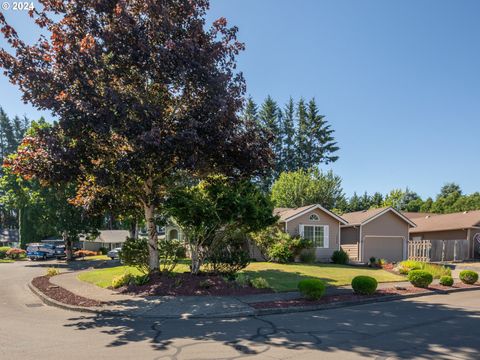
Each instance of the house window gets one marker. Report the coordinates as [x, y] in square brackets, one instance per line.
[318, 234]
[314, 217]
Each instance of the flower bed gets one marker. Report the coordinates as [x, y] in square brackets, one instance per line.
[189, 285]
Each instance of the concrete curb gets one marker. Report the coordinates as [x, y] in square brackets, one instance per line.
[254, 312]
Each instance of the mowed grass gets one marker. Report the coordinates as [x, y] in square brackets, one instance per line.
[103, 277]
[96, 257]
[281, 277]
[285, 277]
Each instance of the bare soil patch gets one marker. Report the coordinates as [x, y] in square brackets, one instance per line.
[190, 285]
[60, 294]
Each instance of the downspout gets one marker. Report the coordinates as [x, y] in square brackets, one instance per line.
[360, 245]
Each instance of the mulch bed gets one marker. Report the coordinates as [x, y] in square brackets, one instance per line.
[60, 294]
[189, 285]
[329, 299]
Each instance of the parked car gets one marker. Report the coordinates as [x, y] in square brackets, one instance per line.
[114, 254]
[60, 252]
[36, 251]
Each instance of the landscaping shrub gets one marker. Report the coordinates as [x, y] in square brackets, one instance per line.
[308, 256]
[278, 246]
[468, 277]
[83, 253]
[103, 251]
[437, 271]
[446, 280]
[121, 280]
[364, 285]
[205, 284]
[372, 260]
[340, 257]
[230, 255]
[260, 283]
[243, 280]
[420, 278]
[170, 251]
[312, 289]
[135, 253]
[182, 252]
[15, 253]
[3, 251]
[52, 272]
[141, 279]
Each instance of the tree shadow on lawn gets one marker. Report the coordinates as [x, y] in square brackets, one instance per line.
[402, 329]
[74, 265]
[284, 280]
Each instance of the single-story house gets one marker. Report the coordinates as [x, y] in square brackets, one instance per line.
[109, 239]
[456, 226]
[315, 223]
[381, 233]
[9, 237]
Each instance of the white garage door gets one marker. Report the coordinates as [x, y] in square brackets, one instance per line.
[389, 248]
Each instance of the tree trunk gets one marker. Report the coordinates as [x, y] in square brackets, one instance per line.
[68, 247]
[154, 263]
[196, 261]
[133, 231]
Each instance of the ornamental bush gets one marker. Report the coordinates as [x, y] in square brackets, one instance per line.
[121, 280]
[340, 257]
[83, 253]
[52, 272]
[15, 253]
[468, 277]
[446, 280]
[420, 278]
[260, 283]
[364, 285]
[312, 289]
[3, 251]
[135, 253]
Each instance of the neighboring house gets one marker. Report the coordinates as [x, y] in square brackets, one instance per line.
[173, 231]
[451, 227]
[315, 223]
[9, 237]
[381, 233]
[109, 239]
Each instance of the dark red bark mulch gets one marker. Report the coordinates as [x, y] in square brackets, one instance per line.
[190, 285]
[329, 299]
[60, 294]
[458, 285]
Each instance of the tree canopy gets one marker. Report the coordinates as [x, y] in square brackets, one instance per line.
[141, 90]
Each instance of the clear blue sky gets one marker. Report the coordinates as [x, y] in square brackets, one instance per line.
[398, 80]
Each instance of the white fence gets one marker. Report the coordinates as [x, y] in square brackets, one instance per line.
[438, 250]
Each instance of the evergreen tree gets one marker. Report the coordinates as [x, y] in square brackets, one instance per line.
[289, 154]
[269, 118]
[321, 144]
[376, 200]
[354, 203]
[250, 111]
[302, 136]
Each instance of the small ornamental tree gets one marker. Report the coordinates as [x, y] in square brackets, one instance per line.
[210, 211]
[141, 90]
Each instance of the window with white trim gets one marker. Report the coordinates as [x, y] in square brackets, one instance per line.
[314, 217]
[318, 234]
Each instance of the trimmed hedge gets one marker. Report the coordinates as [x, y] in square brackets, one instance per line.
[420, 278]
[3, 251]
[312, 289]
[340, 257]
[364, 285]
[468, 277]
[446, 280]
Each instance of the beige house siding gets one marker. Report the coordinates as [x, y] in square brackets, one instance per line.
[349, 241]
[385, 237]
[322, 254]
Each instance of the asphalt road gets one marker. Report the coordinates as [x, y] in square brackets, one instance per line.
[434, 327]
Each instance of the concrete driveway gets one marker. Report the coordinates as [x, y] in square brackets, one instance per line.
[434, 327]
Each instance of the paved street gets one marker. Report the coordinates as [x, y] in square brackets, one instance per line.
[434, 327]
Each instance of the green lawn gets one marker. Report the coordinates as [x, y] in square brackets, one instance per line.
[281, 277]
[103, 277]
[96, 257]
[285, 277]
[6, 261]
